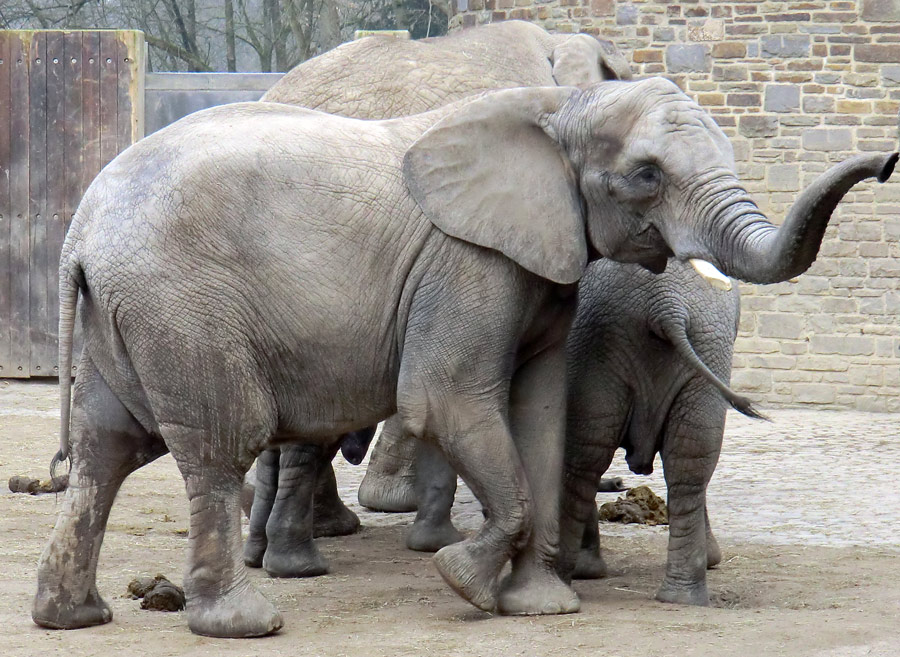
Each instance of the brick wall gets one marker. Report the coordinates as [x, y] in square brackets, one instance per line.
[796, 86]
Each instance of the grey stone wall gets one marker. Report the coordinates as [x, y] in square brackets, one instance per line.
[797, 86]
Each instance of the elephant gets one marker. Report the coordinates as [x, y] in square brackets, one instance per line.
[382, 78]
[649, 357]
[322, 273]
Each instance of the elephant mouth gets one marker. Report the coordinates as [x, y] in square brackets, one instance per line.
[647, 249]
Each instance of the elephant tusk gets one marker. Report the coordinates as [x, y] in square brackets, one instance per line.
[711, 275]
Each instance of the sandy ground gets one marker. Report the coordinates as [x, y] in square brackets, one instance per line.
[805, 508]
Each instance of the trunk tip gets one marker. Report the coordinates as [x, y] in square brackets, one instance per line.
[888, 167]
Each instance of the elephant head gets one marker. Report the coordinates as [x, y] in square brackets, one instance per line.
[636, 172]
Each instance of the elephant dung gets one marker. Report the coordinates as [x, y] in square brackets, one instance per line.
[640, 505]
[158, 593]
[25, 484]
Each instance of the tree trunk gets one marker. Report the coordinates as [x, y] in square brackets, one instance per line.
[230, 57]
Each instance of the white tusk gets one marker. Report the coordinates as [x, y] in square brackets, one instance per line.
[710, 274]
[794, 280]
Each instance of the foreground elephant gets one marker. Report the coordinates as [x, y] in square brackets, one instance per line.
[382, 78]
[648, 358]
[263, 243]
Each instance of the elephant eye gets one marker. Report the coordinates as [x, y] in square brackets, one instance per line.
[648, 174]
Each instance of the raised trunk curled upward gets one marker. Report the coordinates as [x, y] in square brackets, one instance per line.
[745, 245]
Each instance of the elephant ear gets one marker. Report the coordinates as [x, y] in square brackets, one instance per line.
[491, 175]
[581, 61]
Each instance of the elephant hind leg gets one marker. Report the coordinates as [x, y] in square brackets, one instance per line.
[263, 499]
[210, 446]
[331, 517]
[291, 550]
[107, 445]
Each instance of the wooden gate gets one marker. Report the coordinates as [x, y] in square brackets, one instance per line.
[69, 102]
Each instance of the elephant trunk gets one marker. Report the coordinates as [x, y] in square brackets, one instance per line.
[745, 245]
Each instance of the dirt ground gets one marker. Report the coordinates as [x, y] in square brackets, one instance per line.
[797, 577]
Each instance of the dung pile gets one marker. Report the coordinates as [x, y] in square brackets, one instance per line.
[640, 505]
[32, 486]
[158, 593]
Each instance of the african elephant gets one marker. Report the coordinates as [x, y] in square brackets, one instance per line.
[322, 273]
[382, 78]
[648, 358]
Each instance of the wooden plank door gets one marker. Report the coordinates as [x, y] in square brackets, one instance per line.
[70, 101]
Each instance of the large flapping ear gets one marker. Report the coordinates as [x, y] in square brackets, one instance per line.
[581, 61]
[490, 174]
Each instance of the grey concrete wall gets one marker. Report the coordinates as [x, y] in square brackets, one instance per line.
[170, 96]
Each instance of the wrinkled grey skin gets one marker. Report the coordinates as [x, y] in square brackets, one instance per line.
[383, 78]
[647, 358]
[263, 243]
[289, 479]
[648, 361]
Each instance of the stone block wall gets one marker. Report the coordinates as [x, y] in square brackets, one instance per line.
[797, 86]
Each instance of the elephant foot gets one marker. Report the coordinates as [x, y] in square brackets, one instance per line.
[465, 572]
[242, 613]
[49, 612]
[534, 590]
[335, 521]
[590, 565]
[302, 560]
[428, 537]
[254, 549]
[388, 494]
[695, 594]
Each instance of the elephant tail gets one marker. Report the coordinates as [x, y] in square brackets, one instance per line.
[71, 278]
[677, 334]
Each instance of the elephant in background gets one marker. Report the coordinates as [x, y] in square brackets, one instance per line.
[380, 78]
[265, 243]
[648, 361]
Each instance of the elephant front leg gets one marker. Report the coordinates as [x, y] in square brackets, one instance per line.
[291, 550]
[435, 490]
[263, 501]
[389, 484]
[598, 405]
[106, 445]
[690, 452]
[471, 432]
[537, 418]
